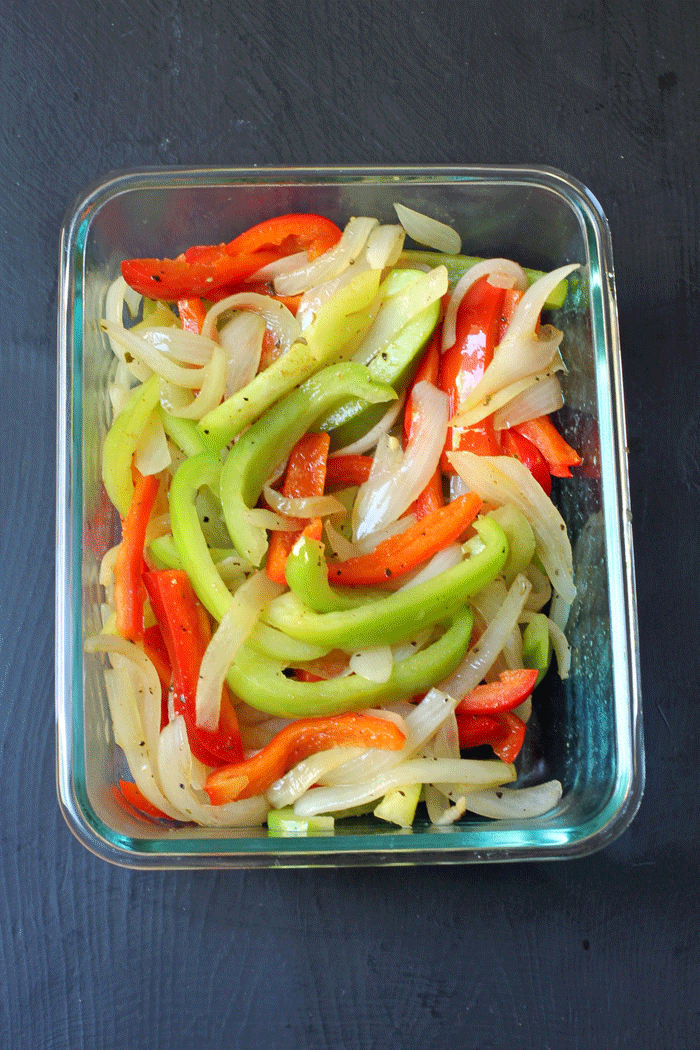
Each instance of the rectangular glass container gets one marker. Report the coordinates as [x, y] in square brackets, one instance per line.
[589, 730]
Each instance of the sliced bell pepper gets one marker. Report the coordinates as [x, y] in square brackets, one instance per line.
[428, 371]
[138, 800]
[508, 748]
[296, 742]
[263, 683]
[464, 363]
[287, 235]
[186, 633]
[514, 444]
[477, 730]
[192, 313]
[348, 470]
[209, 272]
[305, 476]
[401, 554]
[510, 690]
[128, 568]
[557, 452]
[511, 298]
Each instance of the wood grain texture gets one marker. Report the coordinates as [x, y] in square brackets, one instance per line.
[574, 956]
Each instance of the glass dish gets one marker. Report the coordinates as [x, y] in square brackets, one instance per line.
[589, 734]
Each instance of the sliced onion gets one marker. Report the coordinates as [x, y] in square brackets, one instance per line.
[512, 803]
[213, 380]
[399, 309]
[523, 350]
[371, 438]
[374, 664]
[388, 493]
[506, 395]
[261, 518]
[118, 294]
[278, 317]
[235, 626]
[152, 452]
[175, 765]
[302, 507]
[560, 643]
[370, 543]
[384, 246]
[142, 350]
[482, 655]
[187, 347]
[341, 547]
[428, 231]
[541, 592]
[421, 722]
[541, 399]
[313, 299]
[503, 479]
[475, 772]
[305, 774]
[287, 264]
[242, 340]
[487, 268]
[331, 263]
[445, 559]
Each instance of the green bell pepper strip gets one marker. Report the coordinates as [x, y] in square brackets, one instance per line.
[186, 434]
[121, 441]
[340, 320]
[195, 555]
[306, 571]
[164, 551]
[292, 652]
[397, 617]
[537, 645]
[457, 266]
[262, 683]
[270, 440]
[521, 539]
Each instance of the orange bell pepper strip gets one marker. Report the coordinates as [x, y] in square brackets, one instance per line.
[545, 436]
[514, 444]
[305, 476]
[186, 633]
[400, 554]
[463, 364]
[428, 371]
[128, 568]
[348, 470]
[295, 742]
[192, 313]
[135, 798]
[510, 690]
[288, 234]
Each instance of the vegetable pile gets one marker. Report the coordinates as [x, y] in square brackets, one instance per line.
[341, 574]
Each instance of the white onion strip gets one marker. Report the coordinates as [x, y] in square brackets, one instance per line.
[305, 774]
[186, 347]
[152, 452]
[560, 643]
[278, 317]
[423, 229]
[503, 479]
[387, 493]
[235, 626]
[302, 507]
[523, 350]
[540, 399]
[142, 350]
[399, 309]
[482, 655]
[375, 664]
[331, 263]
[511, 803]
[118, 294]
[242, 340]
[476, 773]
[507, 394]
[488, 267]
[213, 381]
[371, 438]
[175, 766]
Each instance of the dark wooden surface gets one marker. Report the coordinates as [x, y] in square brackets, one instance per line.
[599, 952]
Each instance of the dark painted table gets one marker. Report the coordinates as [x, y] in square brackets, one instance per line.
[598, 952]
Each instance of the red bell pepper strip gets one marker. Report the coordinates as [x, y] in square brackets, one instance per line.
[557, 452]
[296, 742]
[464, 363]
[348, 470]
[508, 748]
[510, 690]
[305, 476]
[511, 298]
[398, 555]
[514, 444]
[288, 234]
[477, 730]
[135, 798]
[209, 272]
[186, 633]
[192, 313]
[428, 371]
[128, 567]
